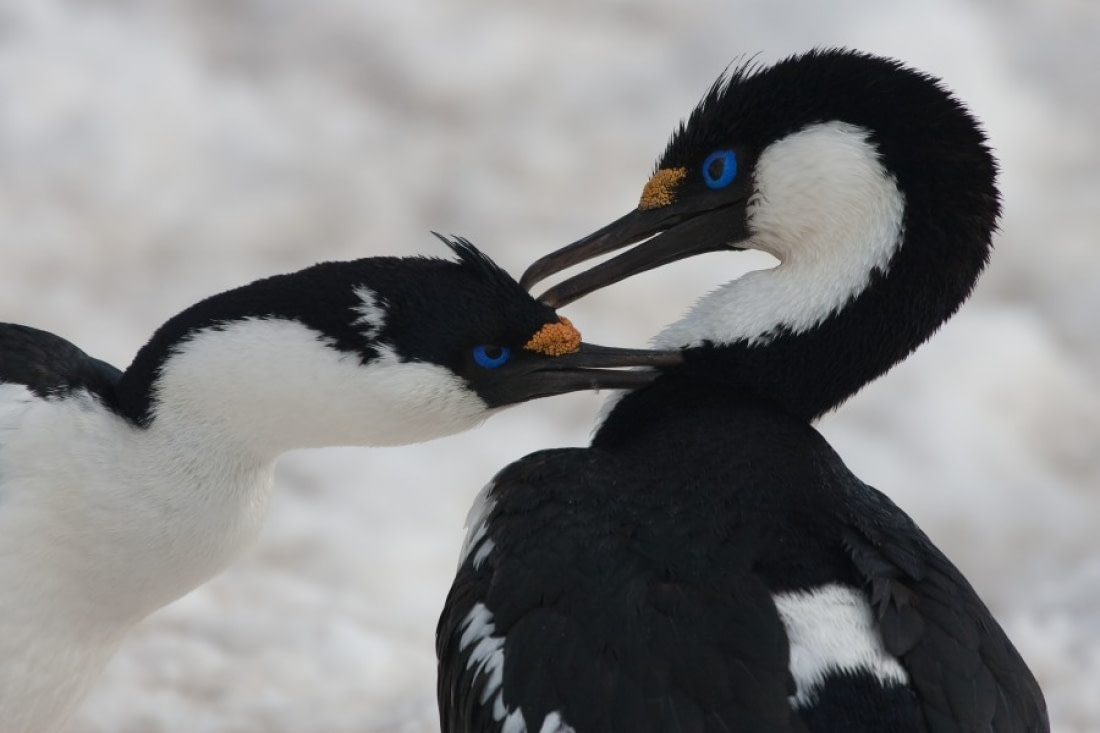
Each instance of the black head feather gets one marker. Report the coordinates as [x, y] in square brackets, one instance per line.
[479, 263]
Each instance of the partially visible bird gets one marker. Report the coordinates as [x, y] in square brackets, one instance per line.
[121, 491]
[710, 563]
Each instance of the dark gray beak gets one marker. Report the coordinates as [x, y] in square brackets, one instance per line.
[671, 233]
[592, 367]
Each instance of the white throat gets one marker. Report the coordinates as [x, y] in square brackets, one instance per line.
[826, 208]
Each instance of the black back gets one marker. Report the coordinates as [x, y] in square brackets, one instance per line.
[50, 366]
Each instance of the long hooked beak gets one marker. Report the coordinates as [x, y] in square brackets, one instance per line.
[681, 231]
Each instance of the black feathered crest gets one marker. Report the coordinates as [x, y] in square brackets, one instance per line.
[479, 262]
[694, 132]
[737, 71]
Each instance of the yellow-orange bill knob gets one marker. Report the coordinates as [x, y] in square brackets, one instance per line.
[660, 189]
[555, 339]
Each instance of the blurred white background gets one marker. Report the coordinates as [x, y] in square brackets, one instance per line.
[152, 153]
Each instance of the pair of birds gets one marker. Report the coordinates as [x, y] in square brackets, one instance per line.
[708, 564]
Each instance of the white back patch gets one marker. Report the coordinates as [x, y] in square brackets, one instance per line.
[831, 630]
[830, 213]
[372, 314]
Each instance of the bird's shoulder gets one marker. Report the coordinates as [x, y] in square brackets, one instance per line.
[49, 366]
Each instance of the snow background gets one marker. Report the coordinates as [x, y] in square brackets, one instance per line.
[152, 153]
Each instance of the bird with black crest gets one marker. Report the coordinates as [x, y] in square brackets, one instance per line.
[122, 490]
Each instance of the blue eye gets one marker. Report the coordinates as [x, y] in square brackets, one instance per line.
[491, 357]
[720, 168]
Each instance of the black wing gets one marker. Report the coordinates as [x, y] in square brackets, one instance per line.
[51, 366]
[565, 620]
[965, 672]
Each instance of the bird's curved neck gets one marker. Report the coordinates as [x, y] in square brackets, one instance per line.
[824, 206]
[866, 273]
[811, 371]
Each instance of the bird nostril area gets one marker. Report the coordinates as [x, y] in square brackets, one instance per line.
[660, 189]
[555, 339]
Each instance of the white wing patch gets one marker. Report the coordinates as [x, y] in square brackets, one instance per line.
[831, 629]
[830, 213]
[372, 314]
[487, 658]
[553, 723]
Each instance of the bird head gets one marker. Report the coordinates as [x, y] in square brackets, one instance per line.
[377, 351]
[868, 182]
[474, 320]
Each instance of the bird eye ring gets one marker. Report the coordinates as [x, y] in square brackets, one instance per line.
[491, 357]
[720, 168]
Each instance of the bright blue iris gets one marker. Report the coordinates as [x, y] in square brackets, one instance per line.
[720, 168]
[491, 357]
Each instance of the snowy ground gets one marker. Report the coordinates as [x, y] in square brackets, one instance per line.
[154, 153]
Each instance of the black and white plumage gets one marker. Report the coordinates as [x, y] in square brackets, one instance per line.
[121, 491]
[710, 563]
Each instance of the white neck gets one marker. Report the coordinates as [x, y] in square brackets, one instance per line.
[830, 213]
[102, 523]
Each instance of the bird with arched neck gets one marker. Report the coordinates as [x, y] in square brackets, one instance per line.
[709, 563]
